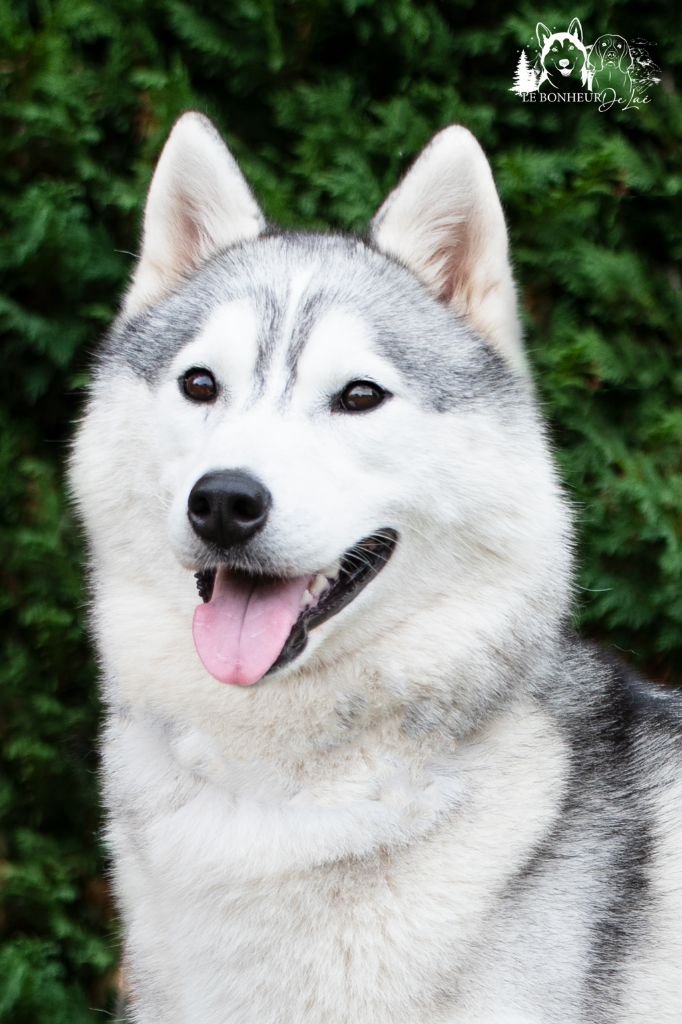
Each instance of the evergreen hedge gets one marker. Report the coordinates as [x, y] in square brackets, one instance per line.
[323, 103]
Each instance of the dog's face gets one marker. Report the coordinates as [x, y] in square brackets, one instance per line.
[297, 433]
[333, 435]
[563, 53]
[611, 51]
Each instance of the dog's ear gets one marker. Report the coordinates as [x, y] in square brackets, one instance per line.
[595, 55]
[543, 33]
[576, 29]
[198, 203]
[445, 223]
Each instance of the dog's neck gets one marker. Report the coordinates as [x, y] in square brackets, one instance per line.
[308, 724]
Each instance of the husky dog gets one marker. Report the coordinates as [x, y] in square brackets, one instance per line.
[367, 775]
[563, 58]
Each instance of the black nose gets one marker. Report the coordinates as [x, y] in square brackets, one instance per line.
[228, 507]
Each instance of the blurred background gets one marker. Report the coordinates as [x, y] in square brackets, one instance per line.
[324, 104]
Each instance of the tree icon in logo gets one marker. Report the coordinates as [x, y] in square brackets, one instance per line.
[525, 78]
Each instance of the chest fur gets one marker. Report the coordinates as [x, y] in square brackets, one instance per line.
[362, 896]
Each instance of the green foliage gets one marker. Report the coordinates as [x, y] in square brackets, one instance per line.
[324, 103]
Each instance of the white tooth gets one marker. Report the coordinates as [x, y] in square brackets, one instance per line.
[307, 599]
[333, 571]
[318, 585]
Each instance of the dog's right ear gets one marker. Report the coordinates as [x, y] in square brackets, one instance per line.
[543, 33]
[198, 203]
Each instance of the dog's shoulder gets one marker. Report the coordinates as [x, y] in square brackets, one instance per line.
[625, 731]
[635, 703]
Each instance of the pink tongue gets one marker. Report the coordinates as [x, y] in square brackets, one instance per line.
[240, 633]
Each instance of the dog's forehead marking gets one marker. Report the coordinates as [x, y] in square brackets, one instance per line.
[289, 329]
[310, 309]
[270, 326]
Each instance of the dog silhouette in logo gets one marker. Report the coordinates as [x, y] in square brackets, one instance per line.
[611, 61]
[563, 58]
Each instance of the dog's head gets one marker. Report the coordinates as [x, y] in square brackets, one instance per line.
[562, 53]
[336, 436]
[611, 51]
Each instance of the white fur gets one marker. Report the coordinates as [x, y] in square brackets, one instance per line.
[374, 902]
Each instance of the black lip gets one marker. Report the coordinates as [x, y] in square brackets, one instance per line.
[359, 565]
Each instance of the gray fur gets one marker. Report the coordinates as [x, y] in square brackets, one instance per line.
[604, 830]
[454, 367]
[270, 326]
[314, 303]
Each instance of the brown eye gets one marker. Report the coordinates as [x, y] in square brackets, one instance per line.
[360, 396]
[199, 385]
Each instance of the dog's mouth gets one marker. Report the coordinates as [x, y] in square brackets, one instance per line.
[565, 71]
[249, 626]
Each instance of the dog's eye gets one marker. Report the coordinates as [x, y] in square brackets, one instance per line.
[199, 385]
[359, 396]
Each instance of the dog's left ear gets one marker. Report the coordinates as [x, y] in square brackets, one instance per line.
[576, 29]
[444, 222]
[198, 203]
